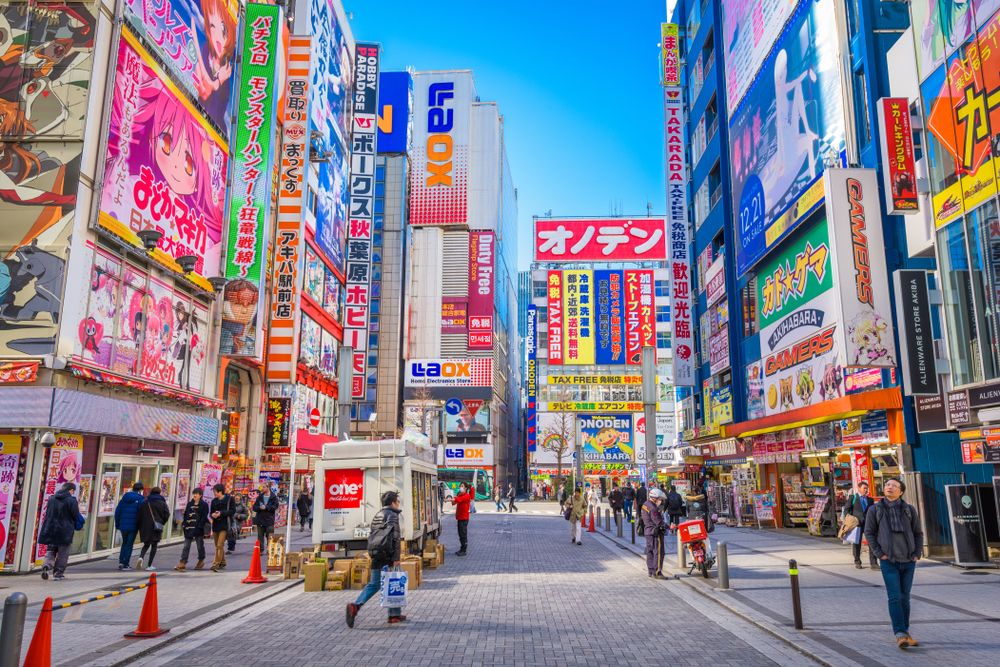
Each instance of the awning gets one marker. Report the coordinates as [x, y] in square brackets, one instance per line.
[854, 405]
[312, 445]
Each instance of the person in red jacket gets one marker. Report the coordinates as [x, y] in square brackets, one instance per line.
[463, 503]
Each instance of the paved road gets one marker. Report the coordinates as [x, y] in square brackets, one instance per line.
[523, 596]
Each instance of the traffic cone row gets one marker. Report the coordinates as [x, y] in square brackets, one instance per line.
[254, 576]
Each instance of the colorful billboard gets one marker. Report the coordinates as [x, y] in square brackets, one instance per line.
[749, 30]
[715, 280]
[454, 316]
[482, 257]
[941, 26]
[899, 172]
[640, 321]
[282, 352]
[600, 240]
[808, 372]
[476, 372]
[610, 311]
[361, 210]
[679, 230]
[795, 295]
[578, 317]
[395, 97]
[197, 41]
[788, 126]
[467, 417]
[531, 377]
[554, 302]
[166, 168]
[332, 195]
[439, 168]
[718, 351]
[250, 196]
[606, 438]
[670, 57]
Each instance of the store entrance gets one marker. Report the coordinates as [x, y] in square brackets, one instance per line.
[128, 472]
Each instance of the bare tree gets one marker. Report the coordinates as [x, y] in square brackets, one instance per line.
[558, 435]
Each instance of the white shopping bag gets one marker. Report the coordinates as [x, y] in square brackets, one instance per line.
[393, 591]
[854, 536]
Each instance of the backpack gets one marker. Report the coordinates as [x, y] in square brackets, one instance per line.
[381, 539]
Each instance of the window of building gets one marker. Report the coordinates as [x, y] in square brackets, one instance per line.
[749, 300]
[714, 186]
[662, 314]
[711, 118]
[861, 107]
[380, 173]
[984, 246]
[662, 340]
[662, 288]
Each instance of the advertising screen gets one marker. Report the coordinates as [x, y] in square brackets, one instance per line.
[640, 320]
[941, 26]
[789, 125]
[578, 317]
[606, 438]
[332, 76]
[468, 416]
[482, 249]
[600, 240]
[749, 29]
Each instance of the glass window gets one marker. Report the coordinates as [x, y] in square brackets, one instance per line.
[379, 173]
[957, 286]
[379, 205]
[663, 340]
[662, 314]
[380, 189]
[662, 288]
[984, 250]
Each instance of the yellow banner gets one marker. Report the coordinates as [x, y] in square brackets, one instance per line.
[595, 379]
[580, 340]
[597, 406]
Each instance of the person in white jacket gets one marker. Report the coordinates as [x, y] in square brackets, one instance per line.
[594, 498]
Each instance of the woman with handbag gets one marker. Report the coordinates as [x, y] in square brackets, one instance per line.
[153, 515]
[577, 509]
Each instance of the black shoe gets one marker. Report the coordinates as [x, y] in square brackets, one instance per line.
[460, 553]
[352, 613]
[579, 544]
[858, 565]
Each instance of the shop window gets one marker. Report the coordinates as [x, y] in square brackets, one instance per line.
[984, 248]
[959, 285]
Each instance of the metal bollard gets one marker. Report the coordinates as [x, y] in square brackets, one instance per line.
[681, 554]
[618, 524]
[793, 574]
[632, 523]
[12, 629]
[723, 566]
[607, 521]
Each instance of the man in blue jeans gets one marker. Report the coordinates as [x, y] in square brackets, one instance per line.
[384, 546]
[897, 540]
[127, 522]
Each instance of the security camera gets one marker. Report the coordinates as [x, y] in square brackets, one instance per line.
[47, 439]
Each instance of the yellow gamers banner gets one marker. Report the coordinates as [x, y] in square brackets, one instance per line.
[580, 340]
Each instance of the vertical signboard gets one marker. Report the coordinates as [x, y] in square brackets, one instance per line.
[394, 102]
[439, 172]
[610, 314]
[670, 69]
[968, 530]
[554, 309]
[282, 344]
[913, 314]
[482, 249]
[531, 377]
[679, 238]
[855, 225]
[899, 172]
[250, 196]
[640, 321]
[360, 210]
[578, 317]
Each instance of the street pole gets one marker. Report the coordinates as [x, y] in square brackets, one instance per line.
[345, 373]
[649, 407]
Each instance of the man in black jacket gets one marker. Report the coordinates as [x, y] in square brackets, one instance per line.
[857, 506]
[640, 500]
[616, 500]
[385, 527]
[221, 511]
[195, 520]
[675, 507]
[264, 509]
[62, 519]
[628, 494]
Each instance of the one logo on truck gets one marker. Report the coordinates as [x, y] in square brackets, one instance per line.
[345, 489]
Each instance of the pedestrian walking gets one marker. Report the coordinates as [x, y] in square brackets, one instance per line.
[62, 519]
[264, 509]
[654, 527]
[594, 498]
[304, 506]
[511, 493]
[675, 508]
[384, 548]
[127, 523]
[563, 494]
[498, 498]
[221, 511]
[194, 525]
[640, 499]
[153, 516]
[857, 506]
[240, 515]
[894, 535]
[628, 495]
[440, 490]
[577, 510]
[617, 501]
[463, 504]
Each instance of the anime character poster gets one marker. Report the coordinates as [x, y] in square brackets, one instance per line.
[197, 41]
[166, 168]
[10, 453]
[65, 462]
[110, 485]
[183, 489]
[83, 494]
[211, 474]
[46, 57]
[606, 438]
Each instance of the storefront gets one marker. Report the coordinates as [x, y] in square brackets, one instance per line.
[730, 480]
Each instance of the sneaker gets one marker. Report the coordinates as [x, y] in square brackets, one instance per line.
[59, 577]
[913, 642]
[150, 569]
[459, 553]
[216, 568]
[125, 567]
[397, 619]
[579, 543]
[352, 613]
[138, 564]
[45, 572]
[903, 641]
[181, 567]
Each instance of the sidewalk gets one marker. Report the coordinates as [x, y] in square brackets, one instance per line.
[954, 615]
[93, 633]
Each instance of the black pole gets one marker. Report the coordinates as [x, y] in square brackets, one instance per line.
[632, 523]
[793, 574]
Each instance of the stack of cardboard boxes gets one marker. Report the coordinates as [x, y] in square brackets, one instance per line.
[354, 573]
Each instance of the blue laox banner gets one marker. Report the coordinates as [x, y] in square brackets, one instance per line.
[610, 317]
[531, 349]
[789, 124]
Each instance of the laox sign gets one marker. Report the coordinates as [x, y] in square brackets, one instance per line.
[464, 453]
[449, 369]
[440, 120]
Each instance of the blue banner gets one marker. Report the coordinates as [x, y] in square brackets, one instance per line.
[531, 376]
[610, 317]
[394, 94]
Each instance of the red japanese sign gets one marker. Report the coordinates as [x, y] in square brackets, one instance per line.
[899, 173]
[861, 466]
[600, 240]
[14, 372]
[554, 295]
[345, 489]
[482, 247]
[640, 320]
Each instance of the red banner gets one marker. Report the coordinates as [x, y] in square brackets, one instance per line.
[345, 488]
[640, 318]
[899, 171]
[601, 240]
[556, 351]
[482, 249]
[15, 372]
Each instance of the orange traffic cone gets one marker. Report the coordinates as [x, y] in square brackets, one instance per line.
[40, 649]
[254, 576]
[149, 617]
[590, 528]
[583, 520]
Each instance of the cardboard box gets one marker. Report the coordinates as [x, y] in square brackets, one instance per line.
[334, 585]
[430, 545]
[412, 570]
[440, 554]
[293, 566]
[344, 565]
[361, 574]
[315, 577]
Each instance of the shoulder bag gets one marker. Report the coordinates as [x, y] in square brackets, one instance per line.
[157, 526]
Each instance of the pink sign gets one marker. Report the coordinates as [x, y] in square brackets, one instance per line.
[482, 248]
[600, 240]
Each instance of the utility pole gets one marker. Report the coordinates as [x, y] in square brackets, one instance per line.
[649, 407]
[345, 373]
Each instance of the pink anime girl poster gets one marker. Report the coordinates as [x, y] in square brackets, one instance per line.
[166, 168]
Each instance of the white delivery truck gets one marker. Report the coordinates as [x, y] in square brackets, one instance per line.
[350, 480]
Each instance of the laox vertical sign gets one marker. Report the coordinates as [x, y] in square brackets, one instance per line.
[360, 211]
[482, 251]
[679, 238]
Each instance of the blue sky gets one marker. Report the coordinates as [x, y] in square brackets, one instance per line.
[576, 83]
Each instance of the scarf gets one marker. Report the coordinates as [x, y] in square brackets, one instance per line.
[897, 519]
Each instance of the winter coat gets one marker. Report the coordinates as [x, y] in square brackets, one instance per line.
[640, 496]
[652, 519]
[304, 505]
[675, 504]
[226, 508]
[579, 505]
[388, 515]
[155, 508]
[61, 516]
[463, 506]
[127, 512]
[879, 532]
[853, 507]
[629, 493]
[195, 519]
[616, 499]
[264, 512]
